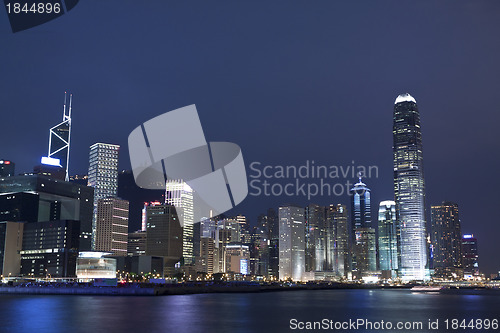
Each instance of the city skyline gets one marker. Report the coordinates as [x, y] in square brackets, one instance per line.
[305, 165]
[112, 188]
[325, 94]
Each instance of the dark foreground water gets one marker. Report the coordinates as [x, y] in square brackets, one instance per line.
[260, 312]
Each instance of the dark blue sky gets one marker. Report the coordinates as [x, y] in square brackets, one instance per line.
[288, 81]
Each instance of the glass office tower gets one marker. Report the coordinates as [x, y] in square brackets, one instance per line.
[364, 251]
[409, 188]
[291, 243]
[387, 236]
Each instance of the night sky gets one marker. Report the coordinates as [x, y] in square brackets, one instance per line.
[288, 81]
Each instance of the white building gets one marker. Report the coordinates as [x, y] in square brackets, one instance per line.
[180, 195]
[103, 175]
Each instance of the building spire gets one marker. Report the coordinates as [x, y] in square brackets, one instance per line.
[64, 109]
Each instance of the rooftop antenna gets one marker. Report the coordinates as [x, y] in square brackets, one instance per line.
[64, 109]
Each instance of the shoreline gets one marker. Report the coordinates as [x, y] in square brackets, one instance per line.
[174, 289]
[198, 288]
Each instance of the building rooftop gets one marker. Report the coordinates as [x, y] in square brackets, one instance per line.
[405, 98]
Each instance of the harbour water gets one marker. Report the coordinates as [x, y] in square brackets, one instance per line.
[244, 312]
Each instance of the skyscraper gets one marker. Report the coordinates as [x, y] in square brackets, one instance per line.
[274, 241]
[341, 260]
[60, 138]
[315, 238]
[179, 194]
[291, 243]
[364, 252]
[446, 240]
[409, 188]
[205, 260]
[387, 236]
[112, 226]
[244, 228]
[470, 256]
[103, 175]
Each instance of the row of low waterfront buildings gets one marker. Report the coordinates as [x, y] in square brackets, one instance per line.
[50, 224]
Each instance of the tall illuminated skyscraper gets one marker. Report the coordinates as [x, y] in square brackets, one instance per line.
[315, 238]
[291, 243]
[339, 215]
[180, 195]
[103, 175]
[364, 251]
[387, 236]
[409, 188]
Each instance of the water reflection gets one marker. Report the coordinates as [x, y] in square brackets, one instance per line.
[263, 312]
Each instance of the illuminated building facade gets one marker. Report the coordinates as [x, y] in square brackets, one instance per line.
[50, 248]
[180, 195]
[409, 188]
[291, 242]
[103, 175]
[338, 215]
[95, 265]
[315, 238]
[364, 252]
[237, 258]
[112, 226]
[144, 220]
[470, 256]
[446, 239]
[206, 259]
[136, 244]
[387, 236]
